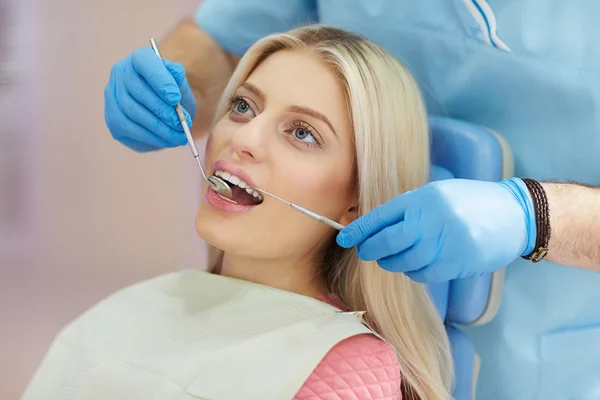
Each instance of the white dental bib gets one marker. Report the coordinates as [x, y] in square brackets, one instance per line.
[192, 335]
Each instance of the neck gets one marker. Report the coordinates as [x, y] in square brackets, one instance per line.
[293, 276]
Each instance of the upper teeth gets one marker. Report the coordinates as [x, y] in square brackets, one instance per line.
[238, 182]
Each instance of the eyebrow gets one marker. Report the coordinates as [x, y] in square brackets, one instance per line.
[295, 109]
[256, 91]
[312, 113]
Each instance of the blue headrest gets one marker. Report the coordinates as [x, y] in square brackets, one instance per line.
[438, 173]
[466, 150]
[463, 150]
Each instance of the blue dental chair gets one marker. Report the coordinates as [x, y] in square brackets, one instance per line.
[467, 151]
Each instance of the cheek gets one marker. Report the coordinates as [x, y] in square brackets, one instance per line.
[323, 186]
[215, 144]
[208, 150]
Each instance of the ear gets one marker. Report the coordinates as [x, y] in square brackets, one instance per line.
[349, 215]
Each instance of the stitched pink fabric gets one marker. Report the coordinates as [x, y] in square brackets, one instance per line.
[362, 367]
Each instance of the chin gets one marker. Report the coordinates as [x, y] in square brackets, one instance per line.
[252, 235]
[227, 232]
[212, 228]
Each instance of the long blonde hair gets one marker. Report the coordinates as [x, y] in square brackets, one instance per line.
[392, 156]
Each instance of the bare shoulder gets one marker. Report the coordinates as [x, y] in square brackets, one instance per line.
[362, 366]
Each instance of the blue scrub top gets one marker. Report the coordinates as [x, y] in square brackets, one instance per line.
[528, 69]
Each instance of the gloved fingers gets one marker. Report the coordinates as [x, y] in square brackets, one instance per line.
[127, 129]
[374, 221]
[426, 275]
[177, 70]
[415, 258]
[187, 96]
[157, 133]
[142, 93]
[188, 103]
[140, 134]
[389, 241]
[138, 146]
[151, 68]
[115, 118]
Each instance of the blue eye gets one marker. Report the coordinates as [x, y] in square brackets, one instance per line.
[303, 133]
[240, 106]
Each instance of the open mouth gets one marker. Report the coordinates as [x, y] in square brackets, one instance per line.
[241, 192]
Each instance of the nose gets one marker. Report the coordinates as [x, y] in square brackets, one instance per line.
[249, 140]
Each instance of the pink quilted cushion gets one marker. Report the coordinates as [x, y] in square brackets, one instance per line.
[362, 367]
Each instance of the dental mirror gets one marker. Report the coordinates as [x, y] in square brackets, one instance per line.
[216, 183]
[220, 186]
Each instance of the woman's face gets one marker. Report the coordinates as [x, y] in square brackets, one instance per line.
[287, 131]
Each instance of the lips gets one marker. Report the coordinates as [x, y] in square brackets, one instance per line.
[222, 204]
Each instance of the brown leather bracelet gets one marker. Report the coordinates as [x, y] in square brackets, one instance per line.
[542, 220]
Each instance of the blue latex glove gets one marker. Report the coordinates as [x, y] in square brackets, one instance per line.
[139, 100]
[447, 229]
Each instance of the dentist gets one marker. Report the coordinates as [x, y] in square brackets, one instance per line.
[529, 70]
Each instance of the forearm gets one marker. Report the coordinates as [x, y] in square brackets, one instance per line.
[208, 69]
[575, 224]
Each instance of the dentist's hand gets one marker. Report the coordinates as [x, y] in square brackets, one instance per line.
[447, 229]
[139, 100]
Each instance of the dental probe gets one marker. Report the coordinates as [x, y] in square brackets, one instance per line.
[325, 220]
[216, 183]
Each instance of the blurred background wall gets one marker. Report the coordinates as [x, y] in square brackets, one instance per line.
[80, 215]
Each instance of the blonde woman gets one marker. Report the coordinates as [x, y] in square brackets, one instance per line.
[324, 119]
